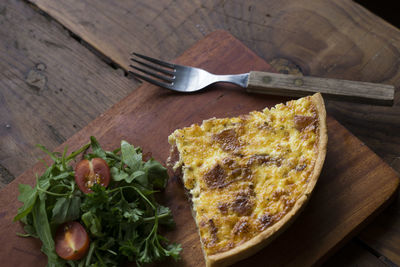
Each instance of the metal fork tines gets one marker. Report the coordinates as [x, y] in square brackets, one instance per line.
[159, 67]
[178, 77]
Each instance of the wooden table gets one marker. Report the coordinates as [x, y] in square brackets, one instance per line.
[63, 63]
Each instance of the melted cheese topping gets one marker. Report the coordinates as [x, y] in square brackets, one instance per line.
[245, 173]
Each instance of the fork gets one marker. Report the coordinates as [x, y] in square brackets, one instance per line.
[190, 79]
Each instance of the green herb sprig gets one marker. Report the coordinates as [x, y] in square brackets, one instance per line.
[122, 220]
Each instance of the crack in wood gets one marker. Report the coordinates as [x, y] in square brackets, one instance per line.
[380, 257]
[77, 38]
[255, 23]
[58, 137]
[5, 175]
[3, 11]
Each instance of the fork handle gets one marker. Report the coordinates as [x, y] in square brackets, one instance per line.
[297, 86]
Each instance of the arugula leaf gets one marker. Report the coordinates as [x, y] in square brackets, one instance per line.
[52, 155]
[42, 226]
[63, 175]
[131, 156]
[118, 175]
[63, 159]
[60, 210]
[140, 177]
[97, 150]
[28, 228]
[157, 174]
[77, 152]
[28, 196]
[66, 209]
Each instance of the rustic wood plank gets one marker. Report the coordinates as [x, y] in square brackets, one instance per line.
[50, 86]
[383, 235]
[336, 39]
[353, 254]
[346, 195]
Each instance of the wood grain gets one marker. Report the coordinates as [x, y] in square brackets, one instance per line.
[352, 187]
[335, 39]
[50, 86]
[354, 254]
[383, 234]
[332, 39]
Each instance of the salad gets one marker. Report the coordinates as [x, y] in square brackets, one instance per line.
[103, 212]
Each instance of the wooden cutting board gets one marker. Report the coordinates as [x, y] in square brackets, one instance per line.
[354, 184]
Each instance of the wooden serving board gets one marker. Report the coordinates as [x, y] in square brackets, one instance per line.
[354, 184]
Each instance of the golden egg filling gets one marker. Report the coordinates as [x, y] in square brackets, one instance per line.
[245, 174]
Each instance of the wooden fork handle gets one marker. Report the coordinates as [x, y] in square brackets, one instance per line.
[297, 86]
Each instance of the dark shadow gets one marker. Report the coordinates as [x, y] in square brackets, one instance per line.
[386, 9]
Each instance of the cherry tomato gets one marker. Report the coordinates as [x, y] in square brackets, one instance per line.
[90, 172]
[72, 241]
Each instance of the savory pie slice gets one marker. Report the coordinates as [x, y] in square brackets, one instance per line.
[249, 176]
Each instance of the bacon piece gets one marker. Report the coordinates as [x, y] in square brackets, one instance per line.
[243, 203]
[264, 159]
[213, 230]
[228, 140]
[304, 122]
[215, 178]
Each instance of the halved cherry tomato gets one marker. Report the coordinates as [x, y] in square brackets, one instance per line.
[72, 241]
[90, 172]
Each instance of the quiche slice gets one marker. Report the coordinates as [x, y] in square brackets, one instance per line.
[247, 177]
